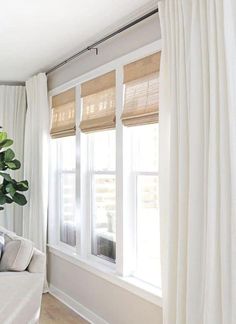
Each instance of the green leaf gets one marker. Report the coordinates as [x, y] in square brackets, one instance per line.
[10, 189]
[17, 164]
[10, 165]
[6, 176]
[2, 156]
[2, 199]
[19, 199]
[6, 143]
[3, 136]
[13, 165]
[9, 200]
[22, 186]
[2, 166]
[9, 155]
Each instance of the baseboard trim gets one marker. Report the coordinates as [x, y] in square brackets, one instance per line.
[78, 308]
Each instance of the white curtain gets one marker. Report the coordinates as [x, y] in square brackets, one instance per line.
[198, 161]
[36, 161]
[12, 119]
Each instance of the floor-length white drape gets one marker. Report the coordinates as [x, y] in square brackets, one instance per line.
[36, 160]
[12, 119]
[198, 161]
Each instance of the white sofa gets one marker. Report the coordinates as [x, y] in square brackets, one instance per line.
[22, 272]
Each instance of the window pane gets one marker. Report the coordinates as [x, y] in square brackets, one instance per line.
[68, 232]
[67, 161]
[104, 217]
[147, 147]
[145, 156]
[104, 150]
[67, 153]
[148, 235]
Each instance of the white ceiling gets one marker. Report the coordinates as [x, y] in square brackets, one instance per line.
[37, 34]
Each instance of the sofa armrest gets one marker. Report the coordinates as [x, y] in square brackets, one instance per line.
[20, 297]
[37, 263]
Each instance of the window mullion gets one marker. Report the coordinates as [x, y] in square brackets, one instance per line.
[78, 220]
[120, 268]
[59, 203]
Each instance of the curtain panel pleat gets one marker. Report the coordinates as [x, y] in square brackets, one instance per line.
[197, 161]
[36, 162]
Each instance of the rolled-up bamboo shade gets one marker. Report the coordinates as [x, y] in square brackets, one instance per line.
[98, 84]
[98, 111]
[63, 114]
[141, 103]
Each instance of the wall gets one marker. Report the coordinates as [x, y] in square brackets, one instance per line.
[112, 303]
[137, 36]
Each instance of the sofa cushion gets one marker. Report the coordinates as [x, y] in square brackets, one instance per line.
[5, 231]
[17, 253]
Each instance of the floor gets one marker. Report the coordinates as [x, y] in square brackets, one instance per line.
[53, 311]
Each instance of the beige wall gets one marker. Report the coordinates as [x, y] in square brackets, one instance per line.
[114, 304]
[140, 35]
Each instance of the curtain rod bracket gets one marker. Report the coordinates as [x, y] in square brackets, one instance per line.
[93, 48]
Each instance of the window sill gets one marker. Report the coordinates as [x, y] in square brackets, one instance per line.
[133, 285]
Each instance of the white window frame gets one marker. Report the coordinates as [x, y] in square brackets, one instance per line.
[125, 236]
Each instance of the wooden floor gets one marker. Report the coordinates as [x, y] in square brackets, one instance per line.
[53, 311]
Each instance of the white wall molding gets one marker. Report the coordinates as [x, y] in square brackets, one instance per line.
[78, 308]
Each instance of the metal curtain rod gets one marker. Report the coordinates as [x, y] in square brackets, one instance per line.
[102, 40]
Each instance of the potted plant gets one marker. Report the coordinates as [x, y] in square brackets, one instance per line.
[10, 189]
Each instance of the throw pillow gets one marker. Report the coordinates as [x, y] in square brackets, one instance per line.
[17, 254]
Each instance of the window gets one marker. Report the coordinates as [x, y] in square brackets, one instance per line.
[106, 173]
[65, 159]
[98, 120]
[101, 156]
[145, 155]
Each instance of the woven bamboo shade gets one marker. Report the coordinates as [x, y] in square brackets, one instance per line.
[63, 114]
[98, 103]
[141, 103]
